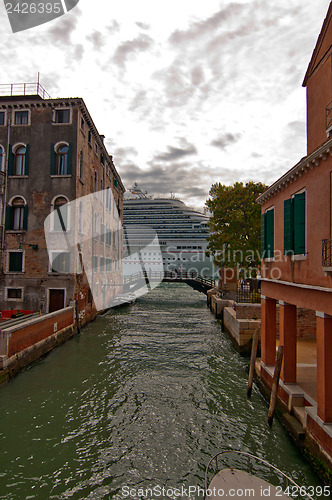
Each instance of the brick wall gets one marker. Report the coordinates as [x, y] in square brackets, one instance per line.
[32, 331]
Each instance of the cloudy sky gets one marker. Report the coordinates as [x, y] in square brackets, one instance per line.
[187, 92]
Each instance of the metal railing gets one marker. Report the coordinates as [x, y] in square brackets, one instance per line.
[169, 275]
[327, 253]
[20, 89]
[249, 292]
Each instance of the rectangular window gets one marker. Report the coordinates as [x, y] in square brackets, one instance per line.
[2, 118]
[14, 293]
[15, 262]
[267, 234]
[60, 262]
[62, 116]
[294, 224]
[90, 137]
[21, 118]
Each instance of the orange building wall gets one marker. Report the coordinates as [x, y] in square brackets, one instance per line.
[317, 183]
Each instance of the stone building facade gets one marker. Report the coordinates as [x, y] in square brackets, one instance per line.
[51, 154]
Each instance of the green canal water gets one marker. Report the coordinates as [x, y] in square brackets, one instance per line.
[142, 398]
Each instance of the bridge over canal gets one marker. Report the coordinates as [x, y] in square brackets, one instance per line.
[135, 281]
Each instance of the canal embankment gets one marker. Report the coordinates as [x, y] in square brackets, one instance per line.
[296, 403]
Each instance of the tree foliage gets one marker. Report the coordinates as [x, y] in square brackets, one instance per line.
[235, 226]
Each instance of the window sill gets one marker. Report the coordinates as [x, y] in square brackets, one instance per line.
[16, 231]
[82, 182]
[61, 123]
[21, 125]
[62, 176]
[301, 256]
[58, 274]
[15, 272]
[18, 176]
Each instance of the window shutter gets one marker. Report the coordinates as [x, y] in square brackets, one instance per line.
[25, 218]
[11, 160]
[299, 223]
[15, 261]
[9, 218]
[269, 232]
[26, 161]
[288, 227]
[70, 156]
[263, 245]
[53, 160]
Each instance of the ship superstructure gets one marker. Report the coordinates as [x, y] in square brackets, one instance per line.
[181, 231]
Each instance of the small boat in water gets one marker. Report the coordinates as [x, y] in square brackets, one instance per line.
[236, 482]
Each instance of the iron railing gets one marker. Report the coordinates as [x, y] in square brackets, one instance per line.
[249, 292]
[20, 89]
[327, 253]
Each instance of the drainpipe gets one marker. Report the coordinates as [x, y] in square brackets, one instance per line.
[5, 193]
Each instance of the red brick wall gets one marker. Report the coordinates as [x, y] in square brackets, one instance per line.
[31, 334]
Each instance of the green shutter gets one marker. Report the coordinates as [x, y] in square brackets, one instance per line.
[15, 261]
[53, 160]
[11, 160]
[9, 218]
[25, 218]
[299, 223]
[70, 157]
[288, 227]
[263, 239]
[26, 161]
[269, 232]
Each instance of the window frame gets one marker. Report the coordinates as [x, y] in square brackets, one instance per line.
[15, 111]
[16, 299]
[51, 260]
[5, 117]
[54, 115]
[22, 252]
[267, 253]
[292, 233]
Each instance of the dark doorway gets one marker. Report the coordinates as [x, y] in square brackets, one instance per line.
[57, 299]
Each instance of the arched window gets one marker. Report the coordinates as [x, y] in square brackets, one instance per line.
[61, 154]
[62, 159]
[60, 214]
[17, 214]
[19, 160]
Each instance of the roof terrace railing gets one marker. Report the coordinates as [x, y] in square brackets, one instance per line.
[20, 89]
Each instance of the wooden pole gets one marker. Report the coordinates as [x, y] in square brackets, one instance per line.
[275, 383]
[252, 361]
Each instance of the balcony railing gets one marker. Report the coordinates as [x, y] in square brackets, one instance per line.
[19, 89]
[327, 253]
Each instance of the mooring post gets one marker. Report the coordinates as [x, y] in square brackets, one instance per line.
[252, 361]
[275, 383]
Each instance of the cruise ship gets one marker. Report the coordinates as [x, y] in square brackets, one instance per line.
[170, 235]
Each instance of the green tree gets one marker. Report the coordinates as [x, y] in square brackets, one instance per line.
[235, 226]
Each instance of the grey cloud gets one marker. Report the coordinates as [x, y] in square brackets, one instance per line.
[139, 44]
[62, 31]
[143, 26]
[79, 51]
[96, 39]
[174, 153]
[114, 27]
[225, 140]
[125, 152]
[197, 76]
[204, 27]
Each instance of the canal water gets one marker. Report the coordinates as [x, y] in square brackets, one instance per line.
[142, 398]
